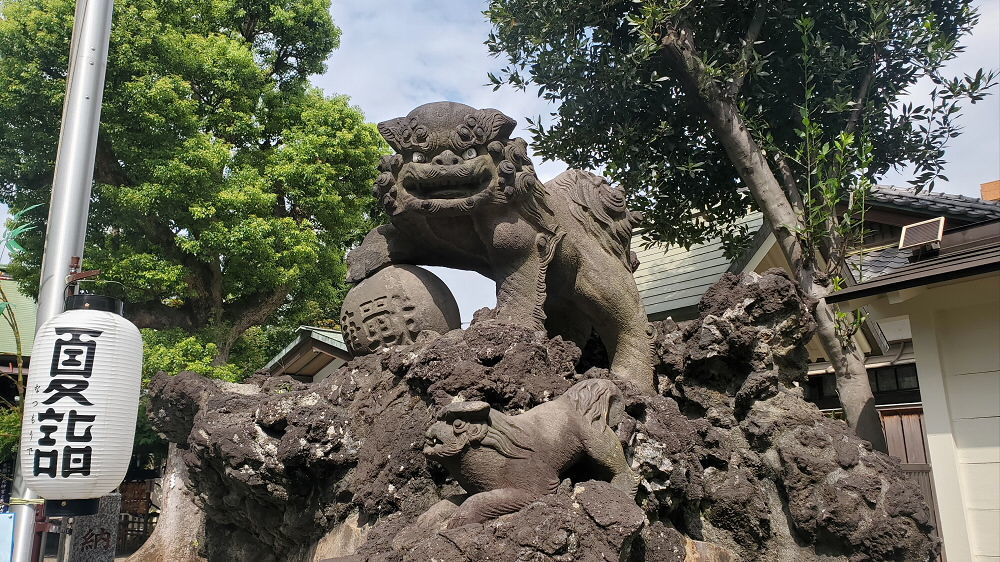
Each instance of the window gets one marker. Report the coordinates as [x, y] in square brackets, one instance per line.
[829, 385]
[890, 385]
[907, 377]
[886, 380]
[891, 379]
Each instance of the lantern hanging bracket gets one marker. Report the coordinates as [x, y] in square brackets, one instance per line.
[72, 278]
[75, 275]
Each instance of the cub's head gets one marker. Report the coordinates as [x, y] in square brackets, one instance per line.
[451, 158]
[461, 424]
[470, 424]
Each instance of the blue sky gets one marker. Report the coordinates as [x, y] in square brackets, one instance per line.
[398, 54]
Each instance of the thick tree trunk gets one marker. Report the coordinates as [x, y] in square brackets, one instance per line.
[180, 531]
[748, 158]
[252, 315]
[853, 388]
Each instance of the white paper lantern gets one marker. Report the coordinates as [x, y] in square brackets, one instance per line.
[81, 402]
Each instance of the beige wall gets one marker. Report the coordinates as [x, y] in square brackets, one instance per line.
[956, 340]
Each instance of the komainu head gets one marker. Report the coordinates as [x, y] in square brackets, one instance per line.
[452, 157]
[469, 424]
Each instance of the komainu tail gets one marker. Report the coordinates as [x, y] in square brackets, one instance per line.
[602, 211]
[599, 401]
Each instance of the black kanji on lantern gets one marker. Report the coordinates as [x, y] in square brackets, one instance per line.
[76, 460]
[72, 364]
[67, 388]
[75, 418]
[74, 357]
[51, 464]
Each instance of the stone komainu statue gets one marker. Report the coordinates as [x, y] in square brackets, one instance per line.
[506, 462]
[461, 193]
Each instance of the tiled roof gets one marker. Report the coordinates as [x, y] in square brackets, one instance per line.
[881, 261]
[935, 203]
[670, 279]
[965, 262]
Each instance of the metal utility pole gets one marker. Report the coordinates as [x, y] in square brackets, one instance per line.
[70, 203]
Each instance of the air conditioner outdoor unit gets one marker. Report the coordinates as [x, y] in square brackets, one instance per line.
[923, 234]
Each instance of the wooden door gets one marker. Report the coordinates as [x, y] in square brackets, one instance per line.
[907, 441]
[905, 435]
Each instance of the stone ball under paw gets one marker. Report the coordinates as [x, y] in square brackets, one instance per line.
[393, 306]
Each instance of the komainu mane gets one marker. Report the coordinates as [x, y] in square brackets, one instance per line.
[461, 193]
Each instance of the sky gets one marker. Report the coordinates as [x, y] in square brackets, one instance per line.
[398, 54]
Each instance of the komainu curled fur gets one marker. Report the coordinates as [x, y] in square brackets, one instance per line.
[461, 193]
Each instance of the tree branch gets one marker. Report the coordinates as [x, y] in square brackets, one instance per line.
[827, 244]
[248, 29]
[198, 271]
[790, 184]
[727, 124]
[743, 151]
[215, 289]
[251, 315]
[859, 100]
[753, 31]
[159, 316]
[107, 168]
[280, 61]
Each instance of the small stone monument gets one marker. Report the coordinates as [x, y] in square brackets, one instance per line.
[96, 536]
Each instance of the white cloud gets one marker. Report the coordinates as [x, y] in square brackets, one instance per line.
[398, 54]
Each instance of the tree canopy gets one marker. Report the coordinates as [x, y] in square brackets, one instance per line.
[226, 188]
[624, 104]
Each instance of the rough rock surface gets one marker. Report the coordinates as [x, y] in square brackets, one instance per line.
[592, 521]
[734, 463]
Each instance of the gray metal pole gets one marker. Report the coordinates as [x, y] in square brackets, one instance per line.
[70, 201]
[64, 529]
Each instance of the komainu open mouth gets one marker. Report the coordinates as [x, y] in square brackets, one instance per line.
[433, 181]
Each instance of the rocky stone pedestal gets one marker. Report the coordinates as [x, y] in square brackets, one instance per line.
[733, 463]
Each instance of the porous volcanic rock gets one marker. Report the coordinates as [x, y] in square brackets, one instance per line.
[735, 464]
[592, 521]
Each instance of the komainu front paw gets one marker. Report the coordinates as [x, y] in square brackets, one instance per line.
[462, 518]
[361, 264]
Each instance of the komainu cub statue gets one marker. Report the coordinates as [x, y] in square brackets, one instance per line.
[506, 462]
[461, 193]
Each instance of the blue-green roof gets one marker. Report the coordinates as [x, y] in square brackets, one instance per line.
[672, 278]
[301, 357]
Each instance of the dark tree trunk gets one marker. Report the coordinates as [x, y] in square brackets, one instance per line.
[251, 315]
